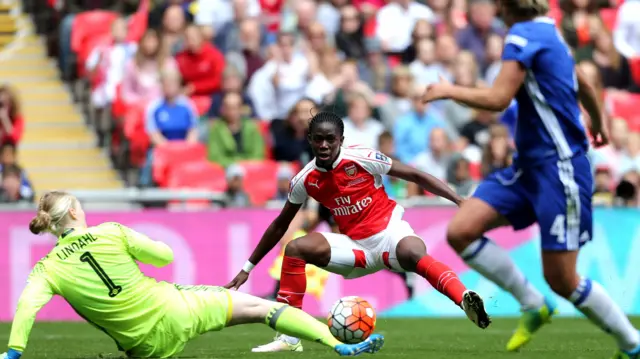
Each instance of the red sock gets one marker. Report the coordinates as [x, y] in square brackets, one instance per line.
[293, 282]
[442, 278]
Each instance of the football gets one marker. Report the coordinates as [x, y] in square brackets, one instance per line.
[352, 320]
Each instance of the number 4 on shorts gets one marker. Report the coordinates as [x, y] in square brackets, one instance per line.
[558, 230]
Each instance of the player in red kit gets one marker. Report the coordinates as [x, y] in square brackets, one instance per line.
[373, 235]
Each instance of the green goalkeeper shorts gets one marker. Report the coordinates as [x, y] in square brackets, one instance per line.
[198, 310]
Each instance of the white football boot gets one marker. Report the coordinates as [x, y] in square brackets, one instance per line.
[281, 343]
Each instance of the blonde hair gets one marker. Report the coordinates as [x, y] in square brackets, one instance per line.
[170, 75]
[526, 8]
[53, 209]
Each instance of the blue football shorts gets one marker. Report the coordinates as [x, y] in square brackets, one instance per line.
[555, 194]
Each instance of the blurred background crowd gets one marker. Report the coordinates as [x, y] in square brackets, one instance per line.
[217, 94]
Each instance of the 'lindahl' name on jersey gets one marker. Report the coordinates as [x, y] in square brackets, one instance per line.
[74, 246]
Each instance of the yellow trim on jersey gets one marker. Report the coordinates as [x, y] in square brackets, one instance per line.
[229, 307]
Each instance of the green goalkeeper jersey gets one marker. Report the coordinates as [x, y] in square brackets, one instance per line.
[94, 269]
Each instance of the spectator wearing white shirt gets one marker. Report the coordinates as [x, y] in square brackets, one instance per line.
[425, 69]
[106, 64]
[260, 88]
[298, 19]
[216, 13]
[288, 73]
[631, 158]
[316, 39]
[395, 22]
[329, 15]
[614, 154]
[626, 35]
[465, 74]
[106, 67]
[326, 75]
[446, 54]
[359, 127]
[494, 57]
[422, 30]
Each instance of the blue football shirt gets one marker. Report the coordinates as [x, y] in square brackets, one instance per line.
[549, 126]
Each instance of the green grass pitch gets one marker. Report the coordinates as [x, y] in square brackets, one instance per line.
[405, 339]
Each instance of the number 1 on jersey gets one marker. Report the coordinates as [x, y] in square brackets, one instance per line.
[113, 289]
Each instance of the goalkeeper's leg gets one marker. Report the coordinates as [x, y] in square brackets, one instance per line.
[292, 321]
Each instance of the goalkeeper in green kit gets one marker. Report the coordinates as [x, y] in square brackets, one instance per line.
[94, 269]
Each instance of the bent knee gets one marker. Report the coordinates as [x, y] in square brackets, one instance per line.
[298, 248]
[248, 309]
[460, 235]
[409, 252]
[308, 248]
[562, 283]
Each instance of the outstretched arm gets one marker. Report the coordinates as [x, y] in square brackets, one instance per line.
[270, 238]
[146, 250]
[35, 295]
[274, 232]
[494, 98]
[424, 180]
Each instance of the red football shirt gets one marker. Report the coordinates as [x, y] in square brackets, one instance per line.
[352, 190]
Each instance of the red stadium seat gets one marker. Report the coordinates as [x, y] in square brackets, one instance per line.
[90, 24]
[118, 107]
[136, 134]
[634, 63]
[609, 17]
[475, 170]
[92, 28]
[625, 105]
[172, 153]
[555, 14]
[394, 60]
[202, 104]
[263, 126]
[86, 48]
[369, 28]
[89, 29]
[198, 175]
[260, 180]
[138, 22]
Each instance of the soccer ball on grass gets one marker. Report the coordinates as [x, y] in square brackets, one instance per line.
[351, 320]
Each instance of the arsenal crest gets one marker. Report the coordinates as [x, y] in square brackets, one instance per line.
[351, 170]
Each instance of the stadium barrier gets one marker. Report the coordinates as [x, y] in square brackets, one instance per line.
[210, 247]
[135, 198]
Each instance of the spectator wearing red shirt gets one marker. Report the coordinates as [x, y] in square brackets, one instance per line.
[200, 64]
[11, 122]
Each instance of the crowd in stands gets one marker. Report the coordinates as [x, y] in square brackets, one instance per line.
[14, 185]
[217, 94]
